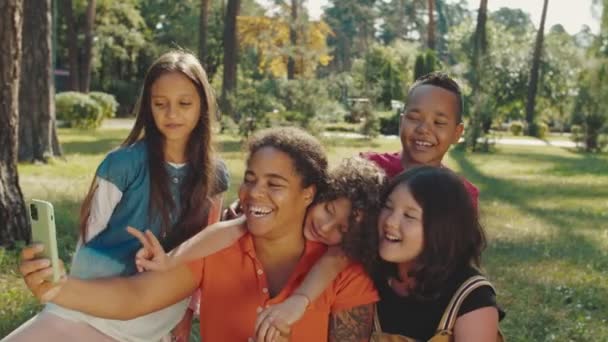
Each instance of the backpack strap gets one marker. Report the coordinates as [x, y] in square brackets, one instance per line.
[377, 327]
[446, 325]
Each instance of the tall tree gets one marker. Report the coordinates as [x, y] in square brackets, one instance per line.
[72, 42]
[230, 55]
[293, 39]
[480, 45]
[202, 31]
[37, 130]
[13, 220]
[87, 53]
[431, 25]
[534, 72]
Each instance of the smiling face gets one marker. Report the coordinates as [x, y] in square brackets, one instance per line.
[400, 227]
[272, 196]
[176, 106]
[429, 125]
[326, 222]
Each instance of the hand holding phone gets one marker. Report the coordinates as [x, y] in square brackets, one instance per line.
[42, 219]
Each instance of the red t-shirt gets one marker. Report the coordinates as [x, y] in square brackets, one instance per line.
[391, 164]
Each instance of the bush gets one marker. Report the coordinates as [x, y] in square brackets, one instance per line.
[390, 125]
[541, 130]
[78, 110]
[516, 128]
[107, 102]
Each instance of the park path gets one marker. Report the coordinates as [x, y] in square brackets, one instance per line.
[523, 141]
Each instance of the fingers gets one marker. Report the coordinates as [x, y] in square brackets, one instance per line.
[34, 279]
[141, 237]
[261, 318]
[273, 334]
[147, 265]
[157, 248]
[29, 252]
[282, 326]
[28, 267]
[263, 330]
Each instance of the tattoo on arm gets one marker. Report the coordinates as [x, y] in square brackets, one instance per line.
[353, 324]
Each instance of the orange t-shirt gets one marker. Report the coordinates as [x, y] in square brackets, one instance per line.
[234, 289]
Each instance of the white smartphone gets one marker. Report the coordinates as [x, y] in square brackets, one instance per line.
[42, 219]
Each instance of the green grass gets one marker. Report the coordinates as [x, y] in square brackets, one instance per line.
[545, 210]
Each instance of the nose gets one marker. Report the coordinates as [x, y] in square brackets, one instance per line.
[422, 126]
[256, 190]
[392, 220]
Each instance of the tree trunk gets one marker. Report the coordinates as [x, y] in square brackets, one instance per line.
[431, 26]
[480, 45]
[13, 221]
[534, 71]
[68, 13]
[87, 53]
[293, 40]
[230, 55]
[202, 32]
[36, 100]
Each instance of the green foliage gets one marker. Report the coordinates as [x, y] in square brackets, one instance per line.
[590, 105]
[78, 110]
[516, 128]
[426, 63]
[542, 129]
[107, 102]
[390, 125]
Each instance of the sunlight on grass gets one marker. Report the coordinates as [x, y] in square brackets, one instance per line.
[545, 210]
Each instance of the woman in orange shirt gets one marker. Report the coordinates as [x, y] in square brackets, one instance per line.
[284, 169]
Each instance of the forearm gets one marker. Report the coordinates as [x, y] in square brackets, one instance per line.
[323, 273]
[126, 298]
[208, 241]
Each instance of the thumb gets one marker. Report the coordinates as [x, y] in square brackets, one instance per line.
[148, 265]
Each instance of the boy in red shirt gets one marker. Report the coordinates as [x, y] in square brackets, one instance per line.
[430, 124]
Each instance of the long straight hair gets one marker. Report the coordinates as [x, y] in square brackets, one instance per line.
[200, 177]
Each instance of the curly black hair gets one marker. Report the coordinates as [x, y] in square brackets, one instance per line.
[307, 153]
[362, 183]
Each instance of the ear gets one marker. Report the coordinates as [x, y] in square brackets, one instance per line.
[309, 194]
[458, 132]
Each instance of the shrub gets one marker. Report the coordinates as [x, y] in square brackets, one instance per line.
[541, 130]
[107, 102]
[516, 128]
[390, 125]
[78, 110]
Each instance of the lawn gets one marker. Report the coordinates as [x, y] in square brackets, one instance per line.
[545, 210]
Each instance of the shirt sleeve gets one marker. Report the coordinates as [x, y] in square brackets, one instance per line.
[105, 198]
[120, 167]
[479, 298]
[353, 287]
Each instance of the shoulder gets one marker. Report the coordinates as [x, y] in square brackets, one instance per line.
[390, 162]
[481, 297]
[353, 287]
[122, 164]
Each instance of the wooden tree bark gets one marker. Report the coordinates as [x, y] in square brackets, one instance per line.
[230, 55]
[534, 71]
[72, 41]
[293, 40]
[202, 31]
[480, 45]
[13, 221]
[431, 27]
[87, 53]
[36, 95]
